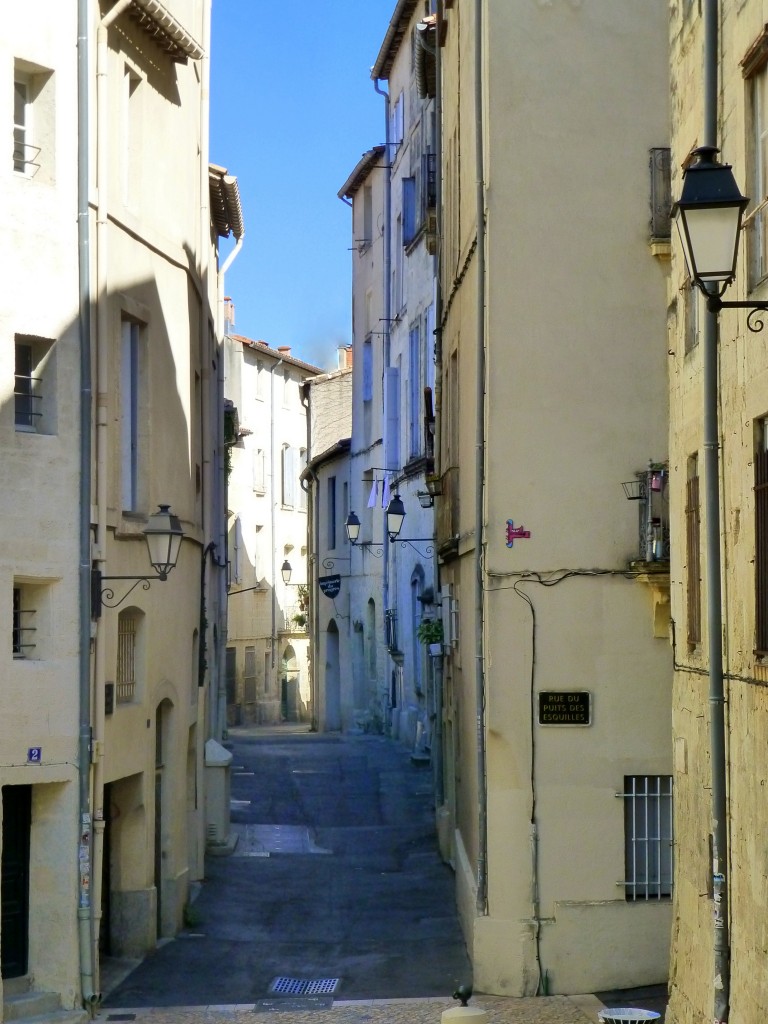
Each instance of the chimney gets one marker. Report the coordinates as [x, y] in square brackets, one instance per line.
[284, 349]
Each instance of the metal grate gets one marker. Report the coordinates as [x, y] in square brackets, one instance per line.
[303, 986]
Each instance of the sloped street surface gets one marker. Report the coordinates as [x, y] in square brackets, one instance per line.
[335, 890]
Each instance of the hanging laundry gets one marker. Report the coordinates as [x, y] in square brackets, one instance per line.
[373, 497]
[385, 493]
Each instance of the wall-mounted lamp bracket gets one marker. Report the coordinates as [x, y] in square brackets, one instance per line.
[104, 596]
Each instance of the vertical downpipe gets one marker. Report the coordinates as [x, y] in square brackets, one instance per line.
[84, 908]
[387, 306]
[720, 851]
[438, 753]
[482, 793]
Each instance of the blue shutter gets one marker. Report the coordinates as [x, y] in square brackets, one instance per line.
[409, 210]
[392, 418]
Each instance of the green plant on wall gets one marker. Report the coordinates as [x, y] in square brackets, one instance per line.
[430, 631]
[303, 596]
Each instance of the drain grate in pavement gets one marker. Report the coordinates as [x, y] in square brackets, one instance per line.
[121, 1016]
[303, 986]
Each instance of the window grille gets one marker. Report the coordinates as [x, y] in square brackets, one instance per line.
[648, 836]
[390, 626]
[429, 183]
[26, 390]
[126, 658]
[23, 630]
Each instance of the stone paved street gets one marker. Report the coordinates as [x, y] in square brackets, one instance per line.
[335, 875]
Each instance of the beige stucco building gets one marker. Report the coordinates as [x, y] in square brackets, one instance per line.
[552, 392]
[112, 407]
[739, 127]
[268, 637]
[338, 681]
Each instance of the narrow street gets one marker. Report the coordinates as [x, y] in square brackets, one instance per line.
[335, 881]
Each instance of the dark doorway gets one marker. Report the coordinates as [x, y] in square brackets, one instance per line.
[14, 880]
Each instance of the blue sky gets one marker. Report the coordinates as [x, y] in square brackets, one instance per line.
[293, 108]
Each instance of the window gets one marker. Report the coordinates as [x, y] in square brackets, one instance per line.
[33, 122]
[331, 510]
[761, 537]
[415, 409]
[647, 836]
[127, 655]
[259, 471]
[130, 415]
[755, 69]
[410, 225]
[23, 633]
[367, 215]
[392, 414]
[368, 369]
[34, 385]
[25, 384]
[22, 124]
[288, 467]
[249, 676]
[693, 551]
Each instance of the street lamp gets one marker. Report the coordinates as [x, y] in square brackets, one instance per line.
[352, 526]
[395, 517]
[709, 217]
[163, 535]
[285, 571]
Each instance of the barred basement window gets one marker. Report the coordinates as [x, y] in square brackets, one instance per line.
[648, 836]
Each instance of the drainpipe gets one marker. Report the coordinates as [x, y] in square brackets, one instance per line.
[85, 928]
[273, 640]
[482, 792]
[220, 494]
[204, 710]
[717, 726]
[437, 746]
[387, 299]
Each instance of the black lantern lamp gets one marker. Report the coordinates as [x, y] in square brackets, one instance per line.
[285, 571]
[164, 535]
[395, 517]
[352, 527]
[709, 216]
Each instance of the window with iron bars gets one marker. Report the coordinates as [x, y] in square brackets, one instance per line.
[648, 837]
[390, 627]
[127, 629]
[26, 389]
[23, 624]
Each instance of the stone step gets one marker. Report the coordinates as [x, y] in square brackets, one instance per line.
[15, 986]
[57, 1017]
[29, 1005]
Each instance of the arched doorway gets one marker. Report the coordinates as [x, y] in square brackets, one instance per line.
[332, 679]
[290, 699]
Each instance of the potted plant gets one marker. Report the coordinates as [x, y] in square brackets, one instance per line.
[430, 632]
